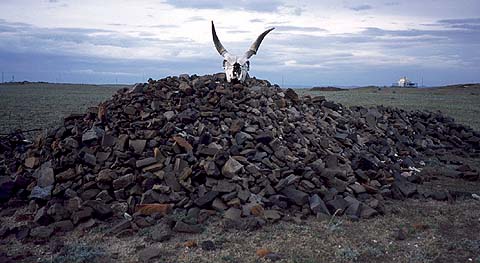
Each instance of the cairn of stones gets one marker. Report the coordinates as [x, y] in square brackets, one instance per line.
[182, 150]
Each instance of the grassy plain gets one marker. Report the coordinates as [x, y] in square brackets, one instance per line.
[42, 105]
[461, 103]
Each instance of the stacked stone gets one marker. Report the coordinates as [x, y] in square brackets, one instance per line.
[198, 146]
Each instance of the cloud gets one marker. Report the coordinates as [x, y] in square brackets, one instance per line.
[372, 47]
[34, 66]
[142, 26]
[291, 10]
[327, 43]
[257, 20]
[392, 3]
[21, 38]
[460, 21]
[300, 29]
[195, 19]
[250, 5]
[237, 31]
[360, 7]
[458, 36]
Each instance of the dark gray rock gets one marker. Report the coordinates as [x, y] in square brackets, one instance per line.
[402, 188]
[161, 232]
[211, 169]
[104, 196]
[89, 159]
[92, 135]
[149, 253]
[367, 211]
[145, 162]
[42, 232]
[242, 137]
[44, 175]
[41, 217]
[90, 194]
[108, 140]
[357, 188]
[82, 215]
[106, 176]
[272, 215]
[264, 137]
[208, 245]
[119, 227]
[138, 145]
[317, 205]
[337, 204]
[223, 186]
[206, 199]
[353, 206]
[123, 181]
[22, 232]
[40, 193]
[137, 88]
[6, 188]
[236, 125]
[100, 210]
[186, 228]
[58, 212]
[295, 196]
[233, 214]
[63, 226]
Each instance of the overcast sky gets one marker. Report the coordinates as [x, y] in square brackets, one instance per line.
[329, 42]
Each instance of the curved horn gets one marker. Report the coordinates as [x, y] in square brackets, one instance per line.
[254, 47]
[218, 45]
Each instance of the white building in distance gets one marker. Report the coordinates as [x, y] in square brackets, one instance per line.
[405, 82]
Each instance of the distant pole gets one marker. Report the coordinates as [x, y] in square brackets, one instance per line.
[13, 78]
[3, 77]
[422, 81]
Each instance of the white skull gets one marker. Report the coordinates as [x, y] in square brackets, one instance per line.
[236, 68]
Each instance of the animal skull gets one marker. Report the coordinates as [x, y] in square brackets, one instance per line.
[236, 68]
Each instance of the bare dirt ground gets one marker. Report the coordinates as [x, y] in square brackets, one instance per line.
[414, 230]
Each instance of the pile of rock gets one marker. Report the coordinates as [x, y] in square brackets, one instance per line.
[195, 146]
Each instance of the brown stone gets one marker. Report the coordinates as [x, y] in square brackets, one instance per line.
[32, 162]
[262, 252]
[150, 209]
[231, 168]
[183, 143]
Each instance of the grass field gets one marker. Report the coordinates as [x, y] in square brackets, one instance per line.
[42, 105]
[463, 104]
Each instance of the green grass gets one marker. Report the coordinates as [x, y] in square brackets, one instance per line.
[463, 104]
[42, 105]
